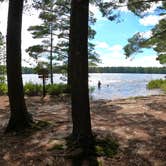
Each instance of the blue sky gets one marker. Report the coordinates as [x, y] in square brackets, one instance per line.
[110, 39]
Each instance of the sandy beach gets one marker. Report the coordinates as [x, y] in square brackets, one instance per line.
[138, 124]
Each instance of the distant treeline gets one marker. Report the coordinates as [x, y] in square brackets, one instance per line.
[155, 70]
[28, 70]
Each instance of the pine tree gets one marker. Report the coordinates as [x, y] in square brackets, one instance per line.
[78, 50]
[61, 11]
[19, 117]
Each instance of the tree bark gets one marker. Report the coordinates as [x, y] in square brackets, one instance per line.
[78, 52]
[19, 118]
[51, 58]
[69, 71]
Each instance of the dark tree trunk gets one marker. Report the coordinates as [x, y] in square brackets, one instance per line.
[69, 71]
[51, 58]
[78, 52]
[19, 118]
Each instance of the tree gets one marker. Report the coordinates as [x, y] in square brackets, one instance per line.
[157, 41]
[61, 11]
[78, 52]
[2, 49]
[45, 31]
[19, 117]
[2, 58]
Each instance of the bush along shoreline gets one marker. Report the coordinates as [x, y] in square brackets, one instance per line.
[157, 84]
[31, 89]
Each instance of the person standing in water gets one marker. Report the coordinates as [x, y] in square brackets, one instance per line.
[99, 84]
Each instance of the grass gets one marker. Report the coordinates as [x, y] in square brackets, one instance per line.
[157, 84]
[31, 89]
[3, 89]
[106, 147]
[57, 89]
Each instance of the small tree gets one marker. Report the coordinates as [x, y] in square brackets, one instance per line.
[2, 58]
[60, 10]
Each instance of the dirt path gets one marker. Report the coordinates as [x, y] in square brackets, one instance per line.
[139, 125]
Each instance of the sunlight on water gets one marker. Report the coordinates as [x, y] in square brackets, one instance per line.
[113, 86]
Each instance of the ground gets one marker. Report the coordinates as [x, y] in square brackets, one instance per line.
[137, 124]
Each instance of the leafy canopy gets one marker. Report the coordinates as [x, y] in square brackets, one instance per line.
[157, 40]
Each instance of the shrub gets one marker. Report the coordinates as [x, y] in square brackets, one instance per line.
[57, 89]
[31, 89]
[106, 147]
[157, 84]
[2, 79]
[91, 89]
[163, 87]
[3, 89]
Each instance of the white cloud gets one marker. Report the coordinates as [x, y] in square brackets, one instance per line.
[150, 20]
[145, 61]
[154, 5]
[97, 14]
[146, 34]
[124, 9]
[114, 56]
[103, 45]
[94, 9]
[116, 48]
[106, 46]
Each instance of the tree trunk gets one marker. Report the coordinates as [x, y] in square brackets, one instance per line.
[69, 71]
[78, 51]
[51, 58]
[19, 118]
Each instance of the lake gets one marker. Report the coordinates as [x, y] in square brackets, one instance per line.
[113, 85]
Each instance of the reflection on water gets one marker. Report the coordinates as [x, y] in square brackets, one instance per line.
[113, 85]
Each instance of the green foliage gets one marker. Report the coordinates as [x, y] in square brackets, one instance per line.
[93, 69]
[57, 89]
[162, 58]
[106, 147]
[2, 79]
[35, 50]
[1, 39]
[56, 16]
[40, 125]
[134, 45]
[157, 41]
[28, 70]
[31, 89]
[57, 147]
[157, 84]
[2, 50]
[163, 86]
[157, 70]
[3, 89]
[91, 89]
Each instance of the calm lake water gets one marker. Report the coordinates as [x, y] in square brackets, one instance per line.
[113, 86]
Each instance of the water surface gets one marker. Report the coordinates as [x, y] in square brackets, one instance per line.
[113, 85]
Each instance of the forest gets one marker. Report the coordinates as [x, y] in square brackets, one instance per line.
[60, 69]
[70, 129]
